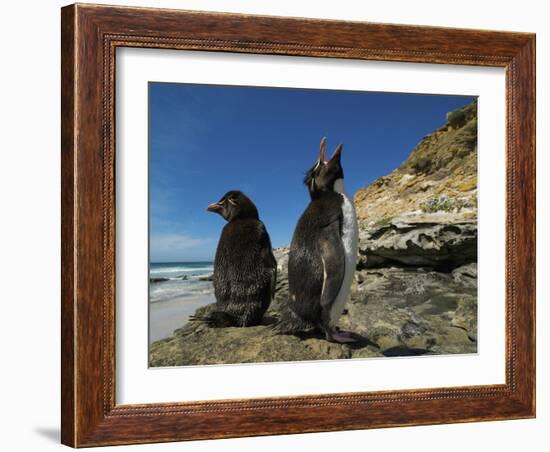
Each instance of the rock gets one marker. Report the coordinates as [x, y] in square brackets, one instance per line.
[183, 277]
[281, 256]
[281, 288]
[465, 317]
[419, 240]
[466, 274]
[196, 344]
[158, 280]
[412, 308]
[209, 277]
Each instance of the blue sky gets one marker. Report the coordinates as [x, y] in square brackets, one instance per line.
[205, 140]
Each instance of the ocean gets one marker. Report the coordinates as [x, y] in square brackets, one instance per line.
[176, 290]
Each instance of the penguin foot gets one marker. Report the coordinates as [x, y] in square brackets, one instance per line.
[216, 319]
[341, 337]
[290, 323]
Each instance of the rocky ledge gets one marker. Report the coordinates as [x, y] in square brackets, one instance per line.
[439, 240]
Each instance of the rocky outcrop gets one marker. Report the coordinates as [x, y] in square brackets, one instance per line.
[198, 344]
[415, 286]
[439, 240]
[414, 308]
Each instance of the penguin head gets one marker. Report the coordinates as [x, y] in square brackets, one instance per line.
[323, 175]
[233, 205]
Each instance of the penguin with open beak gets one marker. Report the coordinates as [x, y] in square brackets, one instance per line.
[245, 270]
[322, 254]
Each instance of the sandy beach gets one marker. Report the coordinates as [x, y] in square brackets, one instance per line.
[176, 291]
[167, 316]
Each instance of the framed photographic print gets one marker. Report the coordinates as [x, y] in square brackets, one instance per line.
[281, 225]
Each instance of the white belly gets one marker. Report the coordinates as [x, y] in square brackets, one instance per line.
[350, 241]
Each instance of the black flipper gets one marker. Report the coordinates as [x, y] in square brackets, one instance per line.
[334, 268]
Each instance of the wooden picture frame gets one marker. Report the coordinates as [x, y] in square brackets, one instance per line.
[90, 36]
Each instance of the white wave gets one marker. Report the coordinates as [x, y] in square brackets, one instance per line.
[178, 288]
[182, 269]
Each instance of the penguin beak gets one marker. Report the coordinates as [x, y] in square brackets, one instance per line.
[215, 207]
[337, 153]
[322, 151]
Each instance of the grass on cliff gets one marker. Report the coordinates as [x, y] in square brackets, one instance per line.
[445, 204]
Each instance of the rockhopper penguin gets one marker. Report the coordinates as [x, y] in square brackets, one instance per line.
[322, 255]
[245, 270]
